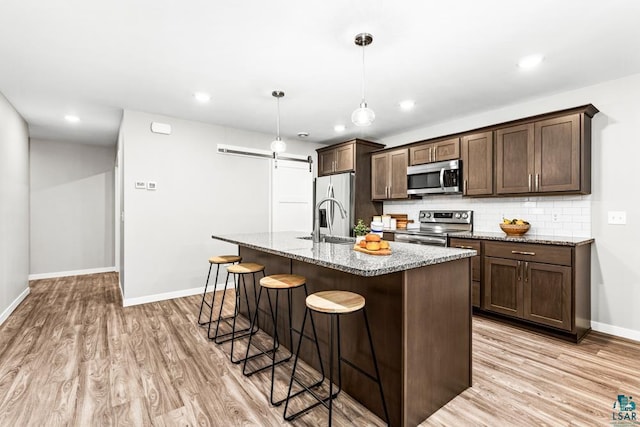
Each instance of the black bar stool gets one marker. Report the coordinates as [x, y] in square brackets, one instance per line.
[239, 271]
[335, 304]
[218, 260]
[276, 283]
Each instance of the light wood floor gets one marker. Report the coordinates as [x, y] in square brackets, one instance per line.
[71, 355]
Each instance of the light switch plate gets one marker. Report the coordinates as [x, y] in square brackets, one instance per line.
[151, 185]
[141, 185]
[617, 217]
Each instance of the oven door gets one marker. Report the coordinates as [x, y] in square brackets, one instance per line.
[422, 239]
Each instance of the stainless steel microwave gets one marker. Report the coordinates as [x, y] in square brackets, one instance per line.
[435, 178]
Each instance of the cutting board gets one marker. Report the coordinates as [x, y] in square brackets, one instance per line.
[367, 251]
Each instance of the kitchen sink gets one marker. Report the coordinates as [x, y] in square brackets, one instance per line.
[332, 239]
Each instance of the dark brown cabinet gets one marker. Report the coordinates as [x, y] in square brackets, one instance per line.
[389, 175]
[476, 265]
[545, 156]
[447, 149]
[338, 159]
[543, 284]
[477, 164]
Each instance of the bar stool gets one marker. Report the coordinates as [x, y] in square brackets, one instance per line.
[276, 283]
[239, 271]
[335, 304]
[218, 260]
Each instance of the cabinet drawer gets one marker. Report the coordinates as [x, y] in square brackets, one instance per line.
[548, 254]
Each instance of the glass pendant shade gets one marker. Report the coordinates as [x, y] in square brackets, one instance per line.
[278, 146]
[363, 116]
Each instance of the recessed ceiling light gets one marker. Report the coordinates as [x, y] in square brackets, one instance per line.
[407, 105]
[202, 97]
[71, 118]
[530, 61]
[339, 128]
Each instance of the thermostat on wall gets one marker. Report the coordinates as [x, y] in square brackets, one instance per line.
[151, 185]
[163, 128]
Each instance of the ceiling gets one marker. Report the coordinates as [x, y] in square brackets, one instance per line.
[96, 58]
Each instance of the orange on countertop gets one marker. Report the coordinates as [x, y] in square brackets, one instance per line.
[371, 237]
[373, 246]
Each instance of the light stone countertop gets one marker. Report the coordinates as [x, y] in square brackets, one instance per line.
[342, 257]
[527, 238]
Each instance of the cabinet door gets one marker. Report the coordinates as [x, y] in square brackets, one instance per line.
[515, 159]
[326, 161]
[547, 294]
[421, 154]
[398, 160]
[379, 174]
[446, 150]
[502, 286]
[477, 164]
[557, 151]
[475, 266]
[344, 158]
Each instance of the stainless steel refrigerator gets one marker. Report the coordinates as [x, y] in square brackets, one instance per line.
[340, 187]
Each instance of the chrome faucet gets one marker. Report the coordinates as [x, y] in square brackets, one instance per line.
[316, 225]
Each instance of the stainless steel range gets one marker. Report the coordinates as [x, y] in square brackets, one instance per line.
[436, 226]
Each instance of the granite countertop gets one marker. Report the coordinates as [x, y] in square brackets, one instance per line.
[500, 236]
[527, 238]
[342, 257]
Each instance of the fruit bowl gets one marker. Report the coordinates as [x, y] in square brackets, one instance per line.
[515, 229]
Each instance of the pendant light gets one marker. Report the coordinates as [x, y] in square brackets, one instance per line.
[278, 145]
[363, 116]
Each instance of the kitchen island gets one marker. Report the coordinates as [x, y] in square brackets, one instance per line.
[418, 301]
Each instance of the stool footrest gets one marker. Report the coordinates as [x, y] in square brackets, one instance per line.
[359, 369]
[320, 400]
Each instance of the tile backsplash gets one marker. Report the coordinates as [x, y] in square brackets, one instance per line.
[549, 215]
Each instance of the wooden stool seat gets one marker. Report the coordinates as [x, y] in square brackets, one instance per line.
[335, 302]
[282, 281]
[245, 268]
[224, 259]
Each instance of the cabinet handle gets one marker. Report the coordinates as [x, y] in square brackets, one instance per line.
[519, 273]
[464, 247]
[529, 183]
[537, 182]
[522, 253]
[464, 187]
[526, 273]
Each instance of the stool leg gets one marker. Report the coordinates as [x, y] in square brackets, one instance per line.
[204, 294]
[375, 365]
[224, 293]
[320, 400]
[331, 366]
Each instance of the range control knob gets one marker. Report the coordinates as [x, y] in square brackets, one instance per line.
[425, 215]
[465, 215]
[457, 215]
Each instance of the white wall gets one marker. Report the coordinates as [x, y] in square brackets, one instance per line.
[72, 207]
[615, 271]
[167, 238]
[14, 208]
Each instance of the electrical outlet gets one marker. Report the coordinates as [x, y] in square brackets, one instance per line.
[141, 185]
[617, 217]
[555, 217]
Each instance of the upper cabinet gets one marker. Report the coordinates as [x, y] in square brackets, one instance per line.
[546, 156]
[345, 157]
[447, 149]
[389, 175]
[477, 164]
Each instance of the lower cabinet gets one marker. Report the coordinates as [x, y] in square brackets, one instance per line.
[529, 281]
[476, 265]
[545, 287]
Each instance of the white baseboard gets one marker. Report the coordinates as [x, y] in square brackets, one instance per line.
[71, 273]
[5, 314]
[169, 295]
[616, 330]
